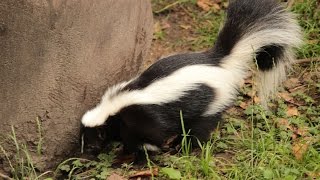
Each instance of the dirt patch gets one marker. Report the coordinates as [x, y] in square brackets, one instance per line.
[174, 32]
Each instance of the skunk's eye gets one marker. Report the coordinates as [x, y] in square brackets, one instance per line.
[101, 135]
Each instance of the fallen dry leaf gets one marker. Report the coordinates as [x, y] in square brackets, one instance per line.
[159, 26]
[243, 105]
[256, 99]
[302, 131]
[190, 38]
[252, 93]
[206, 5]
[300, 147]
[291, 83]
[248, 81]
[115, 176]
[314, 175]
[148, 173]
[241, 83]
[216, 6]
[286, 96]
[298, 88]
[307, 77]
[203, 5]
[225, 4]
[285, 123]
[156, 27]
[292, 111]
[294, 136]
[233, 111]
[165, 25]
[313, 41]
[185, 26]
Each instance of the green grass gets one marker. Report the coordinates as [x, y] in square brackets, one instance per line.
[264, 150]
[204, 25]
[186, 146]
[21, 164]
[252, 143]
[148, 162]
[309, 16]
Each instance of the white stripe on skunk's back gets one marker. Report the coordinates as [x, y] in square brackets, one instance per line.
[169, 89]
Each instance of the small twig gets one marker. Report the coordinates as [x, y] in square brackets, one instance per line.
[85, 173]
[168, 6]
[301, 61]
[5, 176]
[186, 11]
[45, 173]
[291, 102]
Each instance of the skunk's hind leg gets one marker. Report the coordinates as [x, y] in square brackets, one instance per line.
[203, 127]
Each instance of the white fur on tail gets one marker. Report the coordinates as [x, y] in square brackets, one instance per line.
[287, 34]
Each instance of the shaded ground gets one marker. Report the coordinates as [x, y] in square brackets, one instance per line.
[181, 26]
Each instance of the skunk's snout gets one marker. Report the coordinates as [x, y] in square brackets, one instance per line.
[92, 140]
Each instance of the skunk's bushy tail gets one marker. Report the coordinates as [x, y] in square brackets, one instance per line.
[260, 30]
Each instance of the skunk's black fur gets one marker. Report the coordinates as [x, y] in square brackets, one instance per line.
[146, 109]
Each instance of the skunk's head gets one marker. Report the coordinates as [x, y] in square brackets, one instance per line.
[111, 103]
[93, 140]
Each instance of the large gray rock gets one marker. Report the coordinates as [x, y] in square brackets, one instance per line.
[56, 59]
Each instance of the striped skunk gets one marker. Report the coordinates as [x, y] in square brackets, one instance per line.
[146, 109]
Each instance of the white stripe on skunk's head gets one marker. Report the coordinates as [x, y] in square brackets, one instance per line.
[107, 107]
[94, 117]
